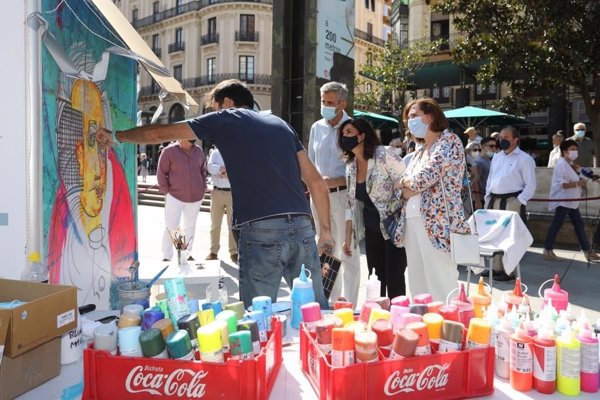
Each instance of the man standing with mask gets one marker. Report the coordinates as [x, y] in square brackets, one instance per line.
[511, 183]
[181, 176]
[483, 162]
[587, 148]
[327, 157]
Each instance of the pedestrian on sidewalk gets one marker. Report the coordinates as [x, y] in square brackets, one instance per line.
[566, 184]
[181, 178]
[266, 164]
[220, 203]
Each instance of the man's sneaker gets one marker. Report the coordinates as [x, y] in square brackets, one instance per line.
[591, 256]
[504, 277]
[211, 256]
[550, 256]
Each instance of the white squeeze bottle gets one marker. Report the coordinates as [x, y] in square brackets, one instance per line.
[373, 287]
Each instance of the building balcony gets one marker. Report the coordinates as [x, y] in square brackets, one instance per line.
[246, 36]
[369, 37]
[149, 90]
[209, 38]
[177, 46]
[205, 80]
[186, 8]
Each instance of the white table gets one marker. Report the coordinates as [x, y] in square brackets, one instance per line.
[192, 273]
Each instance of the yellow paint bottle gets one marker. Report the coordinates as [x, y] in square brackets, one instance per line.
[481, 299]
[568, 364]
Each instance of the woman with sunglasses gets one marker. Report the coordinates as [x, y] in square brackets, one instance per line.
[371, 171]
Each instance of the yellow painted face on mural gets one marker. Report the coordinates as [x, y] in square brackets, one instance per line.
[87, 98]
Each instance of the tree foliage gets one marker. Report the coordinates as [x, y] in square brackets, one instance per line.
[390, 74]
[535, 46]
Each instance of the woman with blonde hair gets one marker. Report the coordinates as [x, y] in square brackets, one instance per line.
[144, 164]
[433, 207]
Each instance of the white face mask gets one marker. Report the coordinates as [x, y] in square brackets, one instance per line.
[580, 133]
[490, 154]
[572, 154]
[475, 154]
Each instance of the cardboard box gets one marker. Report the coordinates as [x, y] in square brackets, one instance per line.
[49, 311]
[30, 369]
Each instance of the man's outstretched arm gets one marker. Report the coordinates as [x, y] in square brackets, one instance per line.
[147, 134]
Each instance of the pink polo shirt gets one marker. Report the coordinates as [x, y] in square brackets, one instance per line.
[182, 174]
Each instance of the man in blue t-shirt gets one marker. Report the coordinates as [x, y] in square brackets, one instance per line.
[266, 164]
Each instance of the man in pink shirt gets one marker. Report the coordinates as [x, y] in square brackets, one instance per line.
[181, 175]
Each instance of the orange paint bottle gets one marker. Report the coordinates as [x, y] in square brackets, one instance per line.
[521, 360]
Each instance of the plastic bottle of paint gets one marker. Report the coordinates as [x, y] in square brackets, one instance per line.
[383, 301]
[384, 330]
[324, 332]
[544, 361]
[481, 299]
[373, 286]
[502, 342]
[311, 313]
[465, 306]
[559, 297]
[452, 334]
[342, 347]
[479, 333]
[568, 364]
[589, 360]
[434, 329]
[366, 309]
[302, 293]
[405, 344]
[423, 345]
[365, 346]
[521, 360]
[210, 343]
[515, 297]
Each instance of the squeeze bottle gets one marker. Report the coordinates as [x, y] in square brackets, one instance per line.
[559, 297]
[544, 361]
[481, 299]
[502, 343]
[465, 306]
[568, 367]
[589, 361]
[373, 287]
[302, 293]
[514, 298]
[521, 360]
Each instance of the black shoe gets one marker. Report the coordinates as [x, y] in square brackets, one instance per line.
[504, 277]
[166, 259]
[190, 258]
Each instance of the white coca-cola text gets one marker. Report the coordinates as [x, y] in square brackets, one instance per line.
[182, 382]
[432, 377]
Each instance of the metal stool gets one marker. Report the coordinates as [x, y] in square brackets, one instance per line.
[488, 253]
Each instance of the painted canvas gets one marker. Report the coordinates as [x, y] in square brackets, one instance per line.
[89, 217]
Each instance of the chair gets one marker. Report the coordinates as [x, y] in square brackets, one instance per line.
[500, 232]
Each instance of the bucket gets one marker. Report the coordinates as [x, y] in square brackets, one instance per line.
[137, 293]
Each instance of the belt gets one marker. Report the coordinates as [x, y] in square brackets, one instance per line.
[223, 189]
[337, 189]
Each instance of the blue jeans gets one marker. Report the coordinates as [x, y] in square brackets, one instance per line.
[559, 217]
[272, 248]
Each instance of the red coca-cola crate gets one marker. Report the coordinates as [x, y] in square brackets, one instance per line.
[116, 377]
[469, 373]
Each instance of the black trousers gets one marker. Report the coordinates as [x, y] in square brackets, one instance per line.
[388, 261]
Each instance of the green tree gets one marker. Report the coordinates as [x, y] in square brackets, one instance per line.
[534, 46]
[390, 74]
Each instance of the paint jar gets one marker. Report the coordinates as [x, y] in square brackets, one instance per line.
[365, 346]
[241, 345]
[451, 336]
[129, 341]
[150, 316]
[133, 293]
[384, 330]
[324, 331]
[165, 325]
[180, 345]
[479, 333]
[405, 344]
[152, 343]
[264, 304]
[105, 338]
[210, 343]
[311, 313]
[342, 347]
[190, 324]
[423, 345]
[434, 329]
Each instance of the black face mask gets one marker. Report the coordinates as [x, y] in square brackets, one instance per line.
[349, 142]
[192, 141]
[504, 144]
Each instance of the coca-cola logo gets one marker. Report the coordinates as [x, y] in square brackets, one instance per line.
[431, 377]
[181, 382]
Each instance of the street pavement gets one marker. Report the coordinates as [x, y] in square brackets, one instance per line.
[581, 281]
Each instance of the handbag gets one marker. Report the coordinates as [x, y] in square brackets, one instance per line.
[464, 247]
[390, 224]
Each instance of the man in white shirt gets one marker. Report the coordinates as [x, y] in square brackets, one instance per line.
[220, 202]
[511, 182]
[327, 157]
[554, 156]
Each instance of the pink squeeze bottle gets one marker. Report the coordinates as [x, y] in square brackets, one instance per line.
[590, 380]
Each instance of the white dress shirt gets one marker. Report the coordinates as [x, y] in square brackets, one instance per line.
[554, 157]
[323, 150]
[564, 173]
[215, 162]
[511, 173]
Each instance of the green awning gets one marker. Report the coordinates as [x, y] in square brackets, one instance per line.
[475, 116]
[379, 121]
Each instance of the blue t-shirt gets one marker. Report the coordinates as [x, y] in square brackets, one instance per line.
[260, 154]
